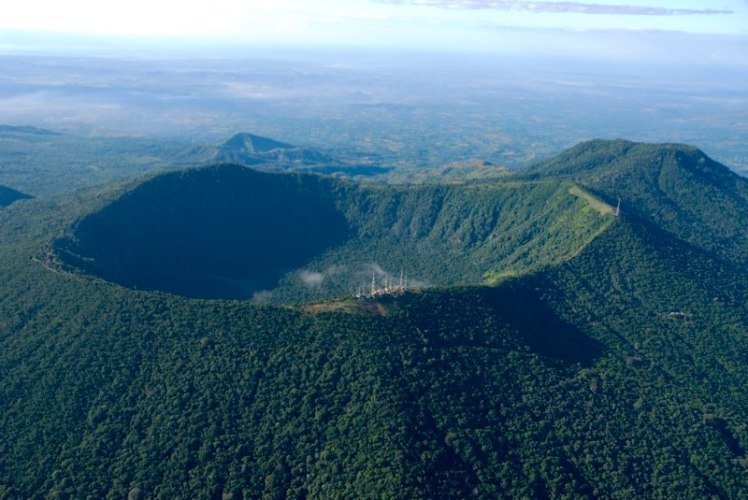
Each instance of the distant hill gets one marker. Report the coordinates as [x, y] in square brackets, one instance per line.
[274, 156]
[253, 144]
[674, 186]
[545, 349]
[455, 172]
[8, 196]
[250, 149]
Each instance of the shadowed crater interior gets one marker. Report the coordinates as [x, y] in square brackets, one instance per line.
[217, 232]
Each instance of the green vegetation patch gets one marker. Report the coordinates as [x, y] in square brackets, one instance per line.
[594, 201]
[231, 232]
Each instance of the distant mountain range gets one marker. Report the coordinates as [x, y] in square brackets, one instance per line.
[25, 129]
[199, 334]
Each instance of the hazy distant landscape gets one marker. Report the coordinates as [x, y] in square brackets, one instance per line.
[408, 110]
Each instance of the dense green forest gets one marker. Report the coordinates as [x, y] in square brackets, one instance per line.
[231, 232]
[607, 358]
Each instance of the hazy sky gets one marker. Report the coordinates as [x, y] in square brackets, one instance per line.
[457, 25]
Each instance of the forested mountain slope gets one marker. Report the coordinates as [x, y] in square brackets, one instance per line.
[612, 364]
[619, 372]
[675, 186]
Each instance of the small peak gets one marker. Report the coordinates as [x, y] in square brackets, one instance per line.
[254, 144]
[9, 195]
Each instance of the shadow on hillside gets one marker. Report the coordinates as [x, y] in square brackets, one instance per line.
[539, 326]
[223, 232]
[507, 317]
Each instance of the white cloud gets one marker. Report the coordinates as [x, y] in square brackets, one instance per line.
[153, 18]
[435, 25]
[559, 7]
[311, 279]
[262, 296]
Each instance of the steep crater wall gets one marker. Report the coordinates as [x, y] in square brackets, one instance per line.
[216, 232]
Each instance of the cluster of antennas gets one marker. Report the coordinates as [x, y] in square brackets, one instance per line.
[388, 287]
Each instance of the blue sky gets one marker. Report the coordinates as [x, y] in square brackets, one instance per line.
[454, 25]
